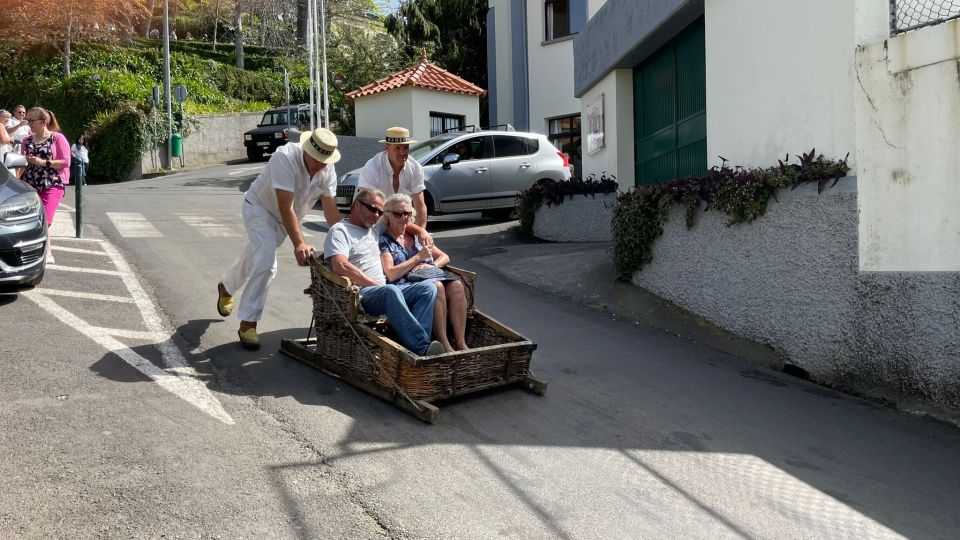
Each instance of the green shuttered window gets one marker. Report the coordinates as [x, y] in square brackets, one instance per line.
[670, 106]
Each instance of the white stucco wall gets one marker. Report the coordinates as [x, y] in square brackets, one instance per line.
[908, 162]
[616, 157]
[377, 112]
[779, 79]
[427, 101]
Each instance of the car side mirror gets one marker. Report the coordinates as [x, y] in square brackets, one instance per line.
[449, 160]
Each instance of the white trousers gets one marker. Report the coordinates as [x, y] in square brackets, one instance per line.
[256, 266]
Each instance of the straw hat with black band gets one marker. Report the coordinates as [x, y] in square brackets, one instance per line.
[397, 135]
[321, 145]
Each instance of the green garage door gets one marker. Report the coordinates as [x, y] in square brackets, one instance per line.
[670, 110]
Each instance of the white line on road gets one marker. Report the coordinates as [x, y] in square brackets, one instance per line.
[133, 225]
[83, 270]
[67, 207]
[88, 296]
[188, 388]
[179, 377]
[77, 250]
[208, 226]
[245, 169]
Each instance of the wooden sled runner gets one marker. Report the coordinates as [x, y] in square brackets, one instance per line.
[350, 345]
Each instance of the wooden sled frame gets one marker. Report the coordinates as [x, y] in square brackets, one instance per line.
[382, 367]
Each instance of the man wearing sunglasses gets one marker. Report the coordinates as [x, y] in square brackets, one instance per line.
[353, 250]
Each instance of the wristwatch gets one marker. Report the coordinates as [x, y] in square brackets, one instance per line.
[48, 163]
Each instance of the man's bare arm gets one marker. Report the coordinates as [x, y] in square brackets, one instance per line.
[343, 267]
[421, 207]
[330, 211]
[301, 250]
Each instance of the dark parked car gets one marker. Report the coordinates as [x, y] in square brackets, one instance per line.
[274, 130]
[476, 171]
[23, 231]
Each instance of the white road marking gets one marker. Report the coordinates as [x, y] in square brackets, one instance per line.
[208, 226]
[88, 296]
[133, 225]
[178, 377]
[245, 169]
[83, 270]
[67, 206]
[77, 250]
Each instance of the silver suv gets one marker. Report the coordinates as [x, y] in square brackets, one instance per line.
[478, 171]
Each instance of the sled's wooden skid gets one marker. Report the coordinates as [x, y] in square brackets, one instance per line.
[299, 349]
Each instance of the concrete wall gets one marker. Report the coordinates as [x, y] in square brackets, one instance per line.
[791, 280]
[908, 133]
[427, 101]
[616, 157]
[218, 139]
[377, 112]
[779, 79]
[583, 218]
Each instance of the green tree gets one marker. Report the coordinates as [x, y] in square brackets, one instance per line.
[453, 32]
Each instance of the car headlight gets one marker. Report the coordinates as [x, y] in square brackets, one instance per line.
[247, 137]
[21, 208]
[280, 135]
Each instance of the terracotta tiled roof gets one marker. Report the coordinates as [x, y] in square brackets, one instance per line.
[423, 75]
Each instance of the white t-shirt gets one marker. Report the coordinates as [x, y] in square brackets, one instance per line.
[20, 133]
[286, 171]
[378, 174]
[360, 246]
[81, 152]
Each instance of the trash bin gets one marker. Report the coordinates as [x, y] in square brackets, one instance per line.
[176, 145]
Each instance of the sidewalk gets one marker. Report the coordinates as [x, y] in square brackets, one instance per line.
[583, 273]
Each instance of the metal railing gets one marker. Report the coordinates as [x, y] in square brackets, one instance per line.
[906, 15]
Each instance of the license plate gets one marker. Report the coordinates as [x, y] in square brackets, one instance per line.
[343, 200]
[263, 144]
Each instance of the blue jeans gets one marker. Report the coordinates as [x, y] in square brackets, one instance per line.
[410, 311]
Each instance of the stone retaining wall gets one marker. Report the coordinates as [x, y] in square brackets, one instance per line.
[791, 279]
[585, 218]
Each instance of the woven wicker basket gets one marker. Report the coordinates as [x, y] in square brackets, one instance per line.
[354, 342]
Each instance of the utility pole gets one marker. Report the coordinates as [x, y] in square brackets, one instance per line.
[310, 48]
[326, 98]
[166, 81]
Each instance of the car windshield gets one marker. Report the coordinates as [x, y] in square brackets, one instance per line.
[275, 118]
[421, 150]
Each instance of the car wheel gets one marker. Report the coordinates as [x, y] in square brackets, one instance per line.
[254, 154]
[428, 200]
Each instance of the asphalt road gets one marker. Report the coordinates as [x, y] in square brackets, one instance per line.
[128, 410]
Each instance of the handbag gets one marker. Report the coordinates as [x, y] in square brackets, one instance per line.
[430, 272]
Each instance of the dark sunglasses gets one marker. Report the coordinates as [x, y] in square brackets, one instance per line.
[401, 214]
[371, 208]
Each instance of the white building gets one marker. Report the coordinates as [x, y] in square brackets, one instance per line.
[530, 67]
[424, 98]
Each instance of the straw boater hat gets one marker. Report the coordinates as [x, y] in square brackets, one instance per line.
[321, 145]
[397, 135]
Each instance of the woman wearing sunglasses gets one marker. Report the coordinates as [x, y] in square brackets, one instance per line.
[401, 253]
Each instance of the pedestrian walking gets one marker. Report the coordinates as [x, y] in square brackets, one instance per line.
[80, 152]
[391, 171]
[48, 162]
[277, 201]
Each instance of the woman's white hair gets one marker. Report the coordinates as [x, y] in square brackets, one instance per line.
[394, 200]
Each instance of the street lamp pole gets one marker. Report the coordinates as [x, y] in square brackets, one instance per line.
[310, 46]
[166, 81]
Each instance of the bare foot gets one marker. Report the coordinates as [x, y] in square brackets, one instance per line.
[462, 346]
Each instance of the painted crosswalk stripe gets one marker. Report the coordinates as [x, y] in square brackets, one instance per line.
[208, 226]
[133, 225]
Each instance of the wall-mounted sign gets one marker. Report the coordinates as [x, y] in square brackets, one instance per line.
[595, 141]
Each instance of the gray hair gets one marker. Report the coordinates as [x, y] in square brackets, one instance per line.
[396, 199]
[4, 112]
[366, 195]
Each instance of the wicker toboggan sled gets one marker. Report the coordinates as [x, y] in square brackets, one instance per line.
[352, 346]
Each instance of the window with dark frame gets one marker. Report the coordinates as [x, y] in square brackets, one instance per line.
[562, 18]
[440, 122]
[564, 133]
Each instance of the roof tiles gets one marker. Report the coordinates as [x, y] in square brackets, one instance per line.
[423, 75]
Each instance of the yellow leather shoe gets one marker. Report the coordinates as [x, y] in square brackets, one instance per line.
[249, 339]
[224, 301]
